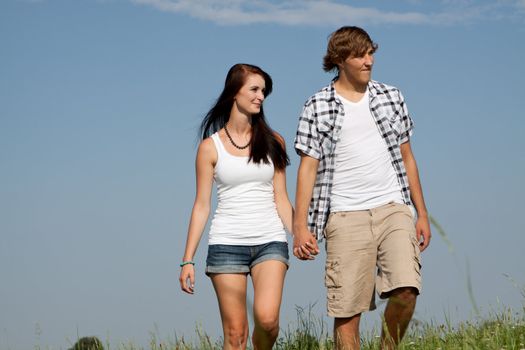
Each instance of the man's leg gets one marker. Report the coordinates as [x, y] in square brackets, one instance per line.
[346, 333]
[398, 313]
[349, 273]
[399, 276]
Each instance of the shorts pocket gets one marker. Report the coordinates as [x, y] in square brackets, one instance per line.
[417, 256]
[328, 229]
[332, 278]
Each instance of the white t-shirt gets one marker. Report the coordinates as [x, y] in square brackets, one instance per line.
[246, 213]
[364, 176]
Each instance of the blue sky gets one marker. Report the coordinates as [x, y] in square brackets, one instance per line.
[99, 107]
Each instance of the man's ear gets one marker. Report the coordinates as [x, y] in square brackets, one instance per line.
[339, 64]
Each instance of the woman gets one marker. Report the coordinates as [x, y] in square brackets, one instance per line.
[247, 160]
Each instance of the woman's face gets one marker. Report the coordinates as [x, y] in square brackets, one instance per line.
[250, 97]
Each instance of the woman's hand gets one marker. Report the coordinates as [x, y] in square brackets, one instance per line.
[187, 278]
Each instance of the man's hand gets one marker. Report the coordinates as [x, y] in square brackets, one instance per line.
[304, 245]
[423, 230]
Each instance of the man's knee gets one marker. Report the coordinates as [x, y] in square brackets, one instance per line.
[347, 324]
[405, 296]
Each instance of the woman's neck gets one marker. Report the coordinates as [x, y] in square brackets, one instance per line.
[239, 123]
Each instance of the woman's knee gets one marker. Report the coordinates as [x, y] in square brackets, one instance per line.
[268, 323]
[236, 335]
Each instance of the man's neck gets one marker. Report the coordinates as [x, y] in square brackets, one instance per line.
[351, 91]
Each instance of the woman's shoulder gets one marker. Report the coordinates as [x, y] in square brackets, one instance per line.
[207, 149]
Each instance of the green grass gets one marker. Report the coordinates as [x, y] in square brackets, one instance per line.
[502, 330]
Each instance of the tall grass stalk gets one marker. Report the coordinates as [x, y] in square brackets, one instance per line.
[442, 233]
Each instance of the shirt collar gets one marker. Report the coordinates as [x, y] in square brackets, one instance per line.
[331, 90]
[372, 89]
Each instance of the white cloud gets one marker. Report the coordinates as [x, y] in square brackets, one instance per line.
[326, 12]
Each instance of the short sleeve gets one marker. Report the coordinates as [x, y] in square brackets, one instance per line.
[306, 138]
[407, 123]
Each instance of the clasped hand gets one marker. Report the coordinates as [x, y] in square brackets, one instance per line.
[305, 245]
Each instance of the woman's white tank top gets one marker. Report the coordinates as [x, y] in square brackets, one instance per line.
[246, 213]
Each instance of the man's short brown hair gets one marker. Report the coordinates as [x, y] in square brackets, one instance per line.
[345, 42]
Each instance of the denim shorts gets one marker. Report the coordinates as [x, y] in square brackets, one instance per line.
[225, 258]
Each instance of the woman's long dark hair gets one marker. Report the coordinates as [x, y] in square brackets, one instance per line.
[264, 145]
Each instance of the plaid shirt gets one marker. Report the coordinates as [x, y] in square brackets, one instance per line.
[319, 130]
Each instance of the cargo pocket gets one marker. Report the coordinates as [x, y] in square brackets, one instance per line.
[332, 274]
[332, 281]
[417, 256]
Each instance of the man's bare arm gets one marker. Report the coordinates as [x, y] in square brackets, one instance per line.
[416, 194]
[305, 244]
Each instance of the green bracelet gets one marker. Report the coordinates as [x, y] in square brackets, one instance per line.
[187, 263]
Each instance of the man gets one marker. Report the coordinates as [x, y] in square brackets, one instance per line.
[357, 185]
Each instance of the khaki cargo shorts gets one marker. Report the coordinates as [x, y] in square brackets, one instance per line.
[358, 242]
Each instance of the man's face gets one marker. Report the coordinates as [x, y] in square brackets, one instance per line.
[358, 69]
